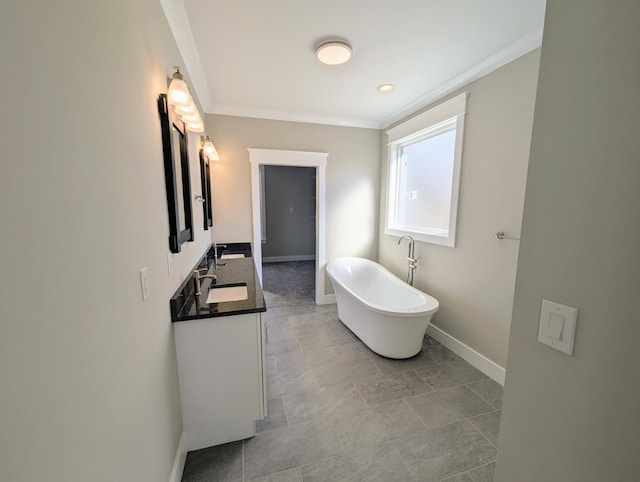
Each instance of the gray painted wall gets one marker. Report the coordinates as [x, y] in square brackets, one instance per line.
[290, 198]
[353, 178]
[474, 282]
[89, 386]
[577, 418]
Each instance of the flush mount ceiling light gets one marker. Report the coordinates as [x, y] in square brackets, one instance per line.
[386, 88]
[333, 52]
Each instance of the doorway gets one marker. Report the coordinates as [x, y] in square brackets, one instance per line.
[273, 157]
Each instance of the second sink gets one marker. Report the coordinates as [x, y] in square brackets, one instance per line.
[221, 294]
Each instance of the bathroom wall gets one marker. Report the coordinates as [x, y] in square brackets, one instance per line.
[290, 198]
[474, 282]
[87, 369]
[353, 170]
[576, 418]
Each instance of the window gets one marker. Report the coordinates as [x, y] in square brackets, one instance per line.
[424, 173]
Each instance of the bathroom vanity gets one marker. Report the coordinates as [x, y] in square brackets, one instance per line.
[220, 352]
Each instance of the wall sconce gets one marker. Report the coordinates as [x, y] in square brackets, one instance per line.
[180, 98]
[209, 149]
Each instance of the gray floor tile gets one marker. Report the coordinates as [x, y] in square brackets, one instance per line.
[291, 475]
[306, 318]
[326, 337]
[389, 366]
[445, 451]
[489, 390]
[443, 407]
[276, 418]
[288, 447]
[302, 407]
[484, 473]
[285, 311]
[291, 382]
[344, 372]
[488, 425]
[270, 366]
[219, 463]
[391, 387]
[332, 308]
[376, 424]
[319, 356]
[282, 332]
[464, 477]
[450, 374]
[379, 463]
[332, 325]
[429, 341]
[279, 347]
[440, 353]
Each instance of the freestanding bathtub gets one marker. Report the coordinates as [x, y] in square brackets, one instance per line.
[387, 314]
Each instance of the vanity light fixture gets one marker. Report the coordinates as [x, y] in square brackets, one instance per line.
[333, 52]
[386, 88]
[189, 109]
[178, 94]
[180, 98]
[195, 126]
[210, 150]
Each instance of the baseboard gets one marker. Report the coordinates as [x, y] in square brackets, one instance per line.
[327, 300]
[282, 259]
[481, 362]
[181, 457]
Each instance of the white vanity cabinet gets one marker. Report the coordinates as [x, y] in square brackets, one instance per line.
[222, 377]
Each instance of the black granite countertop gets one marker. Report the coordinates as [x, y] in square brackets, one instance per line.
[185, 305]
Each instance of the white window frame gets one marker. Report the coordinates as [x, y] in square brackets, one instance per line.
[435, 121]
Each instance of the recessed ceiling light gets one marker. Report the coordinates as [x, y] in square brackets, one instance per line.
[386, 88]
[333, 52]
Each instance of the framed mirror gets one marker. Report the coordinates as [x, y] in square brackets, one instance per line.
[205, 177]
[176, 174]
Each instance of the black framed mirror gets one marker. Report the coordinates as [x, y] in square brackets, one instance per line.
[205, 177]
[176, 174]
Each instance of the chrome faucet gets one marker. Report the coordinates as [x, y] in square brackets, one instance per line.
[199, 278]
[410, 258]
[215, 254]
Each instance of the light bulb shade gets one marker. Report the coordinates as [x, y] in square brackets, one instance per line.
[210, 150]
[178, 94]
[195, 117]
[335, 52]
[189, 109]
[196, 126]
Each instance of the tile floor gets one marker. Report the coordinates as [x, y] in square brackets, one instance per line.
[339, 412]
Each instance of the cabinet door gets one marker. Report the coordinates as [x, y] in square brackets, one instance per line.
[220, 369]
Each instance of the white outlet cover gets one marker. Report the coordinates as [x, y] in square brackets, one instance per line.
[170, 262]
[558, 326]
[144, 282]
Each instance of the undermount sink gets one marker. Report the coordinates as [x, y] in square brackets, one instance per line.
[232, 256]
[221, 294]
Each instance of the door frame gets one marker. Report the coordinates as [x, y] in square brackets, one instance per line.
[276, 157]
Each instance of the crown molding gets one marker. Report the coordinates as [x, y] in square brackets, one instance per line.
[291, 116]
[499, 59]
[178, 21]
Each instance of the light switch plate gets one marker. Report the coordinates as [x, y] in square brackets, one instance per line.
[558, 326]
[170, 262]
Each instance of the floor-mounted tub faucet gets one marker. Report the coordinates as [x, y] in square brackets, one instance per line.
[410, 258]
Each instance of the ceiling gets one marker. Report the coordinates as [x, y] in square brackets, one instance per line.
[255, 58]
